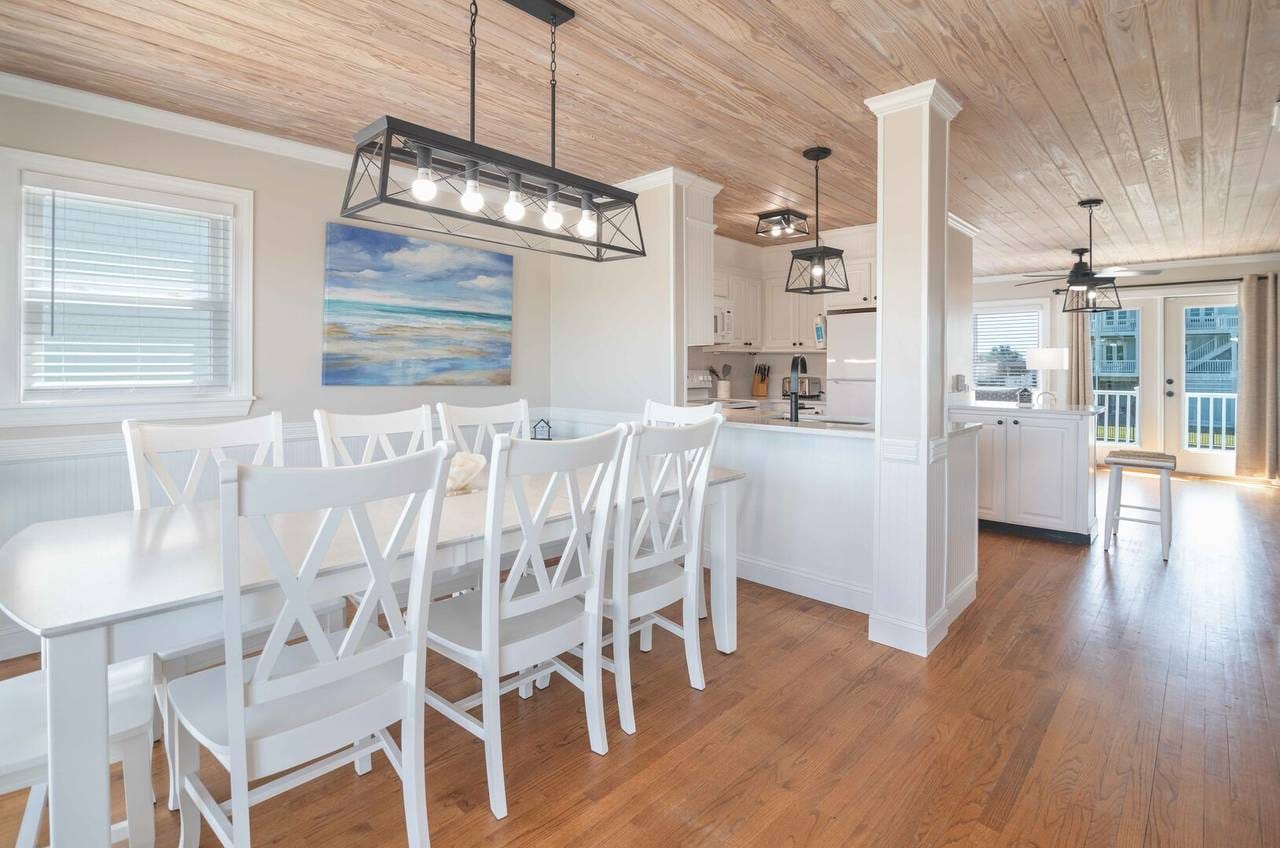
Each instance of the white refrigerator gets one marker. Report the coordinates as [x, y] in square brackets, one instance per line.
[851, 365]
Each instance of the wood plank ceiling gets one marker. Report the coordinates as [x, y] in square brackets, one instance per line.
[1162, 107]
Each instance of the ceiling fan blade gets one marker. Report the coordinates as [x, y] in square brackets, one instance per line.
[1047, 275]
[1121, 271]
[1045, 280]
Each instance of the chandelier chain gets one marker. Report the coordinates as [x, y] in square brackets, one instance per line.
[553, 92]
[475, 13]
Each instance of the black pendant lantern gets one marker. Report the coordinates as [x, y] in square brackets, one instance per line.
[407, 175]
[782, 223]
[1097, 294]
[818, 269]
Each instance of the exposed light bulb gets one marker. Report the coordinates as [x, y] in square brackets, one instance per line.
[775, 230]
[587, 224]
[790, 229]
[514, 208]
[424, 188]
[552, 219]
[472, 200]
[817, 269]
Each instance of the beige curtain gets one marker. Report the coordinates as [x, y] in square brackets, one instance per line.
[1080, 363]
[1258, 406]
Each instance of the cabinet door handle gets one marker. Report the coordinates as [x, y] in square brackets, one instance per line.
[1015, 421]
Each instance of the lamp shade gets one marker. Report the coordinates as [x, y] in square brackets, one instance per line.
[1048, 359]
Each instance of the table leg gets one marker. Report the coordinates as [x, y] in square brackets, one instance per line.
[724, 566]
[79, 800]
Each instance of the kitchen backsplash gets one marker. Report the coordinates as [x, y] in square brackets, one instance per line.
[744, 364]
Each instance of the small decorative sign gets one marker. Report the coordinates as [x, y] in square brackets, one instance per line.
[542, 430]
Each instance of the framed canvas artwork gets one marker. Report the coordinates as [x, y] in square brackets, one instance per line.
[403, 311]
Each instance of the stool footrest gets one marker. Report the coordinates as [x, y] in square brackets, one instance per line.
[1138, 520]
[1143, 508]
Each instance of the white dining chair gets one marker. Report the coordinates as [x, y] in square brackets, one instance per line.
[301, 703]
[483, 424]
[657, 559]
[24, 762]
[665, 415]
[373, 434]
[150, 449]
[550, 600]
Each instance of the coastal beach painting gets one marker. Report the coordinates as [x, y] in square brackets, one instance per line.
[402, 311]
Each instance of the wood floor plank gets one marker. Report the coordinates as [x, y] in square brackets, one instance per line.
[1087, 698]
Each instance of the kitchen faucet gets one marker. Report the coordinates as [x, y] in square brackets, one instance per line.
[798, 366]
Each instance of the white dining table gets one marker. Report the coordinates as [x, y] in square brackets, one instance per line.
[103, 588]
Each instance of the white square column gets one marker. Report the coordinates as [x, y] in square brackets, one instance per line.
[908, 603]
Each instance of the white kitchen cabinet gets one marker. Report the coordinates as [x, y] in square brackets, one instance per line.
[808, 308]
[1035, 467]
[779, 316]
[720, 283]
[744, 293]
[862, 286]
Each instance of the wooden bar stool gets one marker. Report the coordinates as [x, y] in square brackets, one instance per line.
[1165, 463]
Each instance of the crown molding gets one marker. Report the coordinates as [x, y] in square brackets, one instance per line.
[671, 176]
[38, 91]
[958, 223]
[929, 92]
[1170, 265]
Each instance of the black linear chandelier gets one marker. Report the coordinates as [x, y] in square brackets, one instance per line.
[782, 223]
[407, 175]
[818, 269]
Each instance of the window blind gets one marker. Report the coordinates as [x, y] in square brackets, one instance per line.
[123, 297]
[1000, 344]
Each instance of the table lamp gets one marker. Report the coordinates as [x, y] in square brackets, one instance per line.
[1047, 359]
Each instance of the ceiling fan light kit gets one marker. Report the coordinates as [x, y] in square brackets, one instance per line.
[818, 269]
[1088, 290]
[782, 223]
[406, 175]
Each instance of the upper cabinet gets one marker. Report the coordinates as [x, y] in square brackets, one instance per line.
[862, 286]
[701, 285]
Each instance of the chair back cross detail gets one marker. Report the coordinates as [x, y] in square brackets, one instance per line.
[335, 429]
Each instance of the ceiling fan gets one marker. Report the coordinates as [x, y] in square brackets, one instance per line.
[1082, 270]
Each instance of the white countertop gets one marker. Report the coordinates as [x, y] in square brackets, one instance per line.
[1010, 406]
[766, 419]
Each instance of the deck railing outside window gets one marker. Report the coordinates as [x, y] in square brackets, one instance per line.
[1211, 421]
[1118, 423]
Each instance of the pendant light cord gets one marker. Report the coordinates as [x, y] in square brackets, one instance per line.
[817, 229]
[553, 92]
[475, 12]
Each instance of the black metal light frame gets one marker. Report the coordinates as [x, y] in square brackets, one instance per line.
[389, 152]
[780, 220]
[832, 278]
[1097, 294]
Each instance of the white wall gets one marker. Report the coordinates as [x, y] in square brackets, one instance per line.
[293, 199]
[613, 325]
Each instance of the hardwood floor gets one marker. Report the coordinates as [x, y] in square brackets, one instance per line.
[1084, 699]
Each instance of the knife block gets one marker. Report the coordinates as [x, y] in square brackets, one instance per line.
[759, 386]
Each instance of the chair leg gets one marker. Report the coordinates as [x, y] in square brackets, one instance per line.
[646, 638]
[593, 686]
[493, 744]
[1166, 513]
[622, 674]
[692, 643]
[413, 775]
[526, 688]
[1113, 506]
[364, 765]
[31, 816]
[169, 719]
[187, 754]
[702, 598]
[137, 790]
[543, 680]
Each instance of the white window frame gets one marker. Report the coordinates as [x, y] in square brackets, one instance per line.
[126, 184]
[1039, 305]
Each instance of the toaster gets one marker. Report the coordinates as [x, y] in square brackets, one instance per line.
[810, 387]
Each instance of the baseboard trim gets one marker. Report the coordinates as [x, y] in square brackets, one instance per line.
[819, 587]
[1037, 532]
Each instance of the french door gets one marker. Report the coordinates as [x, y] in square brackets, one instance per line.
[1201, 355]
[1164, 373]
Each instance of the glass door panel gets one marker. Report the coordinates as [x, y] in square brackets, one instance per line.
[1202, 359]
[1116, 341]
